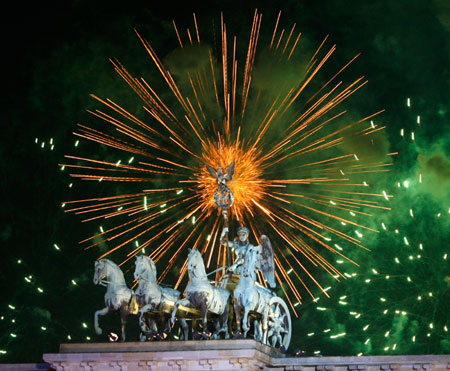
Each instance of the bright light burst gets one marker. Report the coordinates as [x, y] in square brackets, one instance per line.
[299, 177]
[397, 304]
[402, 307]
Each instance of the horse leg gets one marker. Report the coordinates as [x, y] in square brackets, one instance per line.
[230, 319]
[227, 329]
[185, 302]
[123, 319]
[146, 324]
[174, 313]
[206, 332]
[224, 324]
[185, 328]
[164, 327]
[265, 325]
[195, 335]
[218, 326]
[245, 325]
[217, 329]
[142, 321]
[152, 332]
[101, 312]
[237, 313]
[167, 328]
[258, 332]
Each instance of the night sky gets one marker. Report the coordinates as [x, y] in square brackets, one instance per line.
[55, 55]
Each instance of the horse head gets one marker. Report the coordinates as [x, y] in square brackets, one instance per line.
[145, 268]
[118, 296]
[105, 268]
[196, 267]
[100, 271]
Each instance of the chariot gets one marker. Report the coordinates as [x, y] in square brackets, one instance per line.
[235, 305]
[215, 309]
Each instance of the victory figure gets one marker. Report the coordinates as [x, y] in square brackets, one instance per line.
[265, 262]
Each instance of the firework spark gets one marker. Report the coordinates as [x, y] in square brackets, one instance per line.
[295, 178]
[405, 285]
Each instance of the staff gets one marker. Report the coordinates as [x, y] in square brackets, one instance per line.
[223, 197]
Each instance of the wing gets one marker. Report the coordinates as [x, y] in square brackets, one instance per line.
[212, 171]
[266, 263]
[229, 171]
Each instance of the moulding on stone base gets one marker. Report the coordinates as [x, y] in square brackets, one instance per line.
[243, 354]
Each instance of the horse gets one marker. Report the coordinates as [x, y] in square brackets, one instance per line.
[249, 297]
[118, 296]
[153, 297]
[200, 294]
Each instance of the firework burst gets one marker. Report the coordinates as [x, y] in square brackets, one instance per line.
[298, 175]
[396, 303]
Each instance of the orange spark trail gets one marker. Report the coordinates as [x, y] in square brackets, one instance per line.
[295, 178]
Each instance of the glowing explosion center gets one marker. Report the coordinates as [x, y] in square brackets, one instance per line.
[247, 184]
[302, 163]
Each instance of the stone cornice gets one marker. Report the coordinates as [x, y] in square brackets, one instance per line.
[243, 354]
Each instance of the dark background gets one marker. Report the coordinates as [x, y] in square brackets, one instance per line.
[55, 55]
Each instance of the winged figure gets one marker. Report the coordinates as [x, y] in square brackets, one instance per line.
[221, 177]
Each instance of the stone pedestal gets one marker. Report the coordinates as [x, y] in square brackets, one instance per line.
[168, 355]
[242, 354]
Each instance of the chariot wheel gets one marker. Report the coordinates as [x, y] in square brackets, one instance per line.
[279, 324]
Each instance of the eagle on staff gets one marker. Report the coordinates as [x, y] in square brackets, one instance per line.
[223, 197]
[221, 177]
